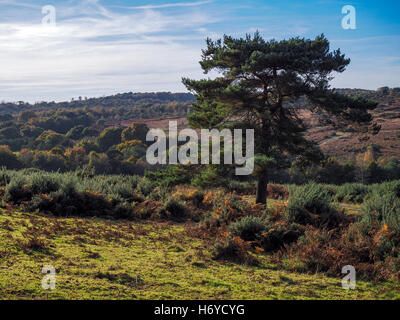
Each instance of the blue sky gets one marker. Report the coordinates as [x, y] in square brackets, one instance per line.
[102, 47]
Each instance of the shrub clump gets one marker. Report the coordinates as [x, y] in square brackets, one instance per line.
[249, 228]
[276, 238]
[145, 187]
[382, 211]
[351, 192]
[17, 191]
[311, 204]
[276, 191]
[84, 204]
[234, 249]
[5, 178]
[173, 210]
[40, 183]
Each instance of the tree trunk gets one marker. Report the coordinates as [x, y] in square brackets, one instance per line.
[262, 189]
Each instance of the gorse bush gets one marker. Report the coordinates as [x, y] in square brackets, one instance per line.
[382, 210]
[173, 210]
[40, 183]
[70, 194]
[145, 186]
[84, 204]
[351, 192]
[386, 188]
[306, 201]
[5, 177]
[16, 191]
[249, 228]
[276, 238]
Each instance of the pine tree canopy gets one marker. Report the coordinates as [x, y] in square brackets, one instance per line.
[259, 86]
[260, 83]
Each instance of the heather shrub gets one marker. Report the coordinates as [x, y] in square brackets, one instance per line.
[249, 228]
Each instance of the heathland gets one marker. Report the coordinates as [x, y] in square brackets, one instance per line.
[77, 194]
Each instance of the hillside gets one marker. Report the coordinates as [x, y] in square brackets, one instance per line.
[128, 99]
[341, 144]
[347, 145]
[156, 109]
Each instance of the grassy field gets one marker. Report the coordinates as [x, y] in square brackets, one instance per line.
[103, 259]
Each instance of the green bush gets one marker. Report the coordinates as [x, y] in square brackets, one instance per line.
[170, 176]
[276, 238]
[210, 177]
[5, 178]
[41, 183]
[351, 192]
[173, 210]
[83, 204]
[309, 203]
[382, 210]
[145, 186]
[386, 188]
[249, 228]
[16, 191]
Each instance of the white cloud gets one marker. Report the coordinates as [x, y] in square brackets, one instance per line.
[168, 5]
[99, 52]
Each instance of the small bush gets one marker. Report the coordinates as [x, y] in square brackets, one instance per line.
[145, 186]
[148, 209]
[234, 249]
[351, 192]
[17, 191]
[306, 201]
[276, 238]
[276, 191]
[311, 204]
[240, 187]
[173, 210]
[249, 228]
[5, 178]
[40, 183]
[382, 210]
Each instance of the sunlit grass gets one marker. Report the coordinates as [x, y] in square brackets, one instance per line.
[102, 259]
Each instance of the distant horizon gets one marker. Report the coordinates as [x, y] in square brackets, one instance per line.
[143, 92]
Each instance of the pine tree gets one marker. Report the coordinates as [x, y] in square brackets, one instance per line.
[260, 86]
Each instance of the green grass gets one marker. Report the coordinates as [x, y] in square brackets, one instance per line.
[102, 259]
